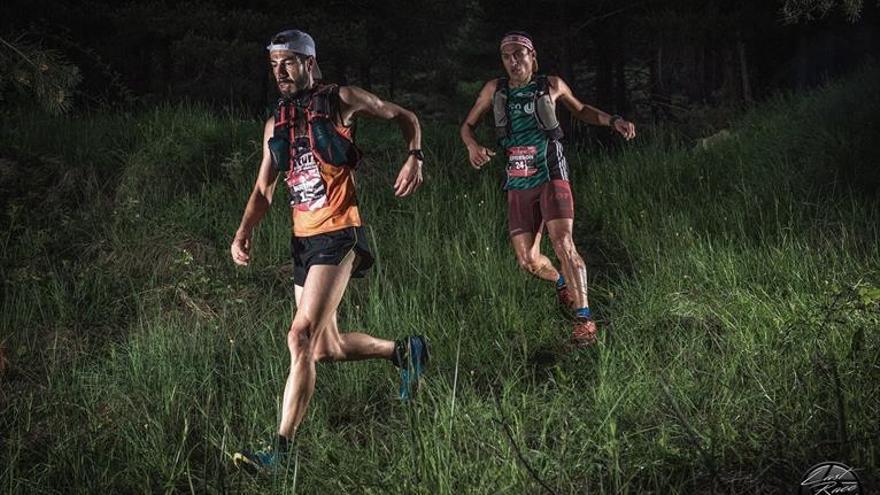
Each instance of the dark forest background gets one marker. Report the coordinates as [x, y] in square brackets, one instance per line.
[654, 61]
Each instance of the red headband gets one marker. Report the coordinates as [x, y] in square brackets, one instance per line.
[518, 39]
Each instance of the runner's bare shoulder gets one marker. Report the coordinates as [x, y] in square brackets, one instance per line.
[351, 100]
[488, 89]
[556, 84]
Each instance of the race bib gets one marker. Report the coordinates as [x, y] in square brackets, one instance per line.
[307, 189]
[521, 161]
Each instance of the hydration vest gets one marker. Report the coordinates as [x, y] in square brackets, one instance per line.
[545, 109]
[325, 141]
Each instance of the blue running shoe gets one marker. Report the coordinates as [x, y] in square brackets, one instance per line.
[261, 461]
[414, 365]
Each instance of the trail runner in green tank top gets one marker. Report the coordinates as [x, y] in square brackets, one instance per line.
[537, 184]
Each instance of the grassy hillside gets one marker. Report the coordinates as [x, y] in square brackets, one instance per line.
[740, 288]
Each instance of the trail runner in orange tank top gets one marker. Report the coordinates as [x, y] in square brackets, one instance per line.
[308, 143]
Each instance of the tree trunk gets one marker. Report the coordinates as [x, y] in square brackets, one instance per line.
[657, 71]
[340, 73]
[161, 76]
[802, 59]
[655, 81]
[566, 70]
[621, 96]
[366, 76]
[729, 84]
[702, 71]
[604, 76]
[265, 85]
[744, 72]
[392, 78]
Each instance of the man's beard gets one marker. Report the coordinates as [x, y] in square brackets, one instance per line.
[292, 86]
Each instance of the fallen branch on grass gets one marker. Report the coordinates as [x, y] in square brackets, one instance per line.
[515, 447]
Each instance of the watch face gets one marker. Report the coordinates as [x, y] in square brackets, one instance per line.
[418, 154]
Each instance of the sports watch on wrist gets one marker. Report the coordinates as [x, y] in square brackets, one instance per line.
[613, 120]
[418, 154]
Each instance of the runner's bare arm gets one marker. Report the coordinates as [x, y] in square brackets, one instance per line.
[258, 202]
[587, 113]
[478, 155]
[356, 101]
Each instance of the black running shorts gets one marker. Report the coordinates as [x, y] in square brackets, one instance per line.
[330, 249]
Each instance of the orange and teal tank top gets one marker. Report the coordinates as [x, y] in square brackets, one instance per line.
[322, 196]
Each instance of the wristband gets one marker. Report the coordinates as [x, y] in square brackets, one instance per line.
[418, 154]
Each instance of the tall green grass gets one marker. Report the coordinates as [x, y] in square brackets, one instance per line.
[738, 288]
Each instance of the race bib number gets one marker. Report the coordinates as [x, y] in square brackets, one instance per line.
[307, 189]
[521, 161]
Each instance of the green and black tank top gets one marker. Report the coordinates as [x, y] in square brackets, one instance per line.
[532, 158]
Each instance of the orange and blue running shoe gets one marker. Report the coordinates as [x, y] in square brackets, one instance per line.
[584, 333]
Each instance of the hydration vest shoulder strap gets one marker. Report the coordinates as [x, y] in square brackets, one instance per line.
[499, 108]
[543, 85]
[282, 136]
[325, 103]
[323, 116]
[285, 116]
[320, 102]
[545, 109]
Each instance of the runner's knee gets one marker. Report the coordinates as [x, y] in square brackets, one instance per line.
[528, 263]
[299, 337]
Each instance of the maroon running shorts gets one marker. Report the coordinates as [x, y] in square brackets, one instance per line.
[527, 209]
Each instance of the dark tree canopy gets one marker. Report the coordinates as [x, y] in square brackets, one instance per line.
[654, 59]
